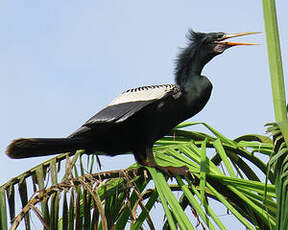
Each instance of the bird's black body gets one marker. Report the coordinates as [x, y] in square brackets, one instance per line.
[150, 121]
[137, 118]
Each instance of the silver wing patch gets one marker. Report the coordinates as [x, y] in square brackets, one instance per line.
[145, 93]
[129, 103]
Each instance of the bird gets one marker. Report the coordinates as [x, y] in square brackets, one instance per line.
[138, 117]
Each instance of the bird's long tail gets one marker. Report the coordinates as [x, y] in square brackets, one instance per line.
[34, 147]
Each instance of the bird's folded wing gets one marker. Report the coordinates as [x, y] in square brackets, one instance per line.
[132, 101]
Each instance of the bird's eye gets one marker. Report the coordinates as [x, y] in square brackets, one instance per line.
[220, 35]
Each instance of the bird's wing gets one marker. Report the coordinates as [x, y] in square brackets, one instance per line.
[127, 104]
[131, 101]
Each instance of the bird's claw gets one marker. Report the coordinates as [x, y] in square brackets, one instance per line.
[174, 171]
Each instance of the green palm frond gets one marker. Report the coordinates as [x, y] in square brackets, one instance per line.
[279, 164]
[74, 197]
[279, 129]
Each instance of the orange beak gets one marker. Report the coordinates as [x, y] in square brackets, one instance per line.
[227, 36]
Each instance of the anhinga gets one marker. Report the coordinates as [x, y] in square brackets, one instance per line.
[138, 117]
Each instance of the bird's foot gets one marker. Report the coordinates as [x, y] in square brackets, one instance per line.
[174, 171]
[169, 170]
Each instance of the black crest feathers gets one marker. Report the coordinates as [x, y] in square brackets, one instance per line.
[194, 37]
[186, 54]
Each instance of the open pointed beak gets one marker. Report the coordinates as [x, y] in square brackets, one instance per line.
[227, 36]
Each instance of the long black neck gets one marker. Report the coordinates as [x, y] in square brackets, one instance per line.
[189, 65]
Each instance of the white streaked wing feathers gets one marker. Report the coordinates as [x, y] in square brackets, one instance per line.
[145, 93]
[129, 103]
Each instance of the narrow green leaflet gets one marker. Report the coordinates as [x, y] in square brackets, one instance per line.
[222, 153]
[166, 195]
[203, 172]
[3, 213]
[195, 204]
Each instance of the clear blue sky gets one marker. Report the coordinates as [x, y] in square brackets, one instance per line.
[62, 61]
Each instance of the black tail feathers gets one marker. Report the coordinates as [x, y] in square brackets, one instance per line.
[33, 147]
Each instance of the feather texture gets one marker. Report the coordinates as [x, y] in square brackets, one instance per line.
[145, 93]
[127, 104]
[131, 101]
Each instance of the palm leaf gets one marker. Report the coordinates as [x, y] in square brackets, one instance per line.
[279, 163]
[82, 199]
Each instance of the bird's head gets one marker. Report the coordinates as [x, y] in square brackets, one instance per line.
[214, 43]
[202, 47]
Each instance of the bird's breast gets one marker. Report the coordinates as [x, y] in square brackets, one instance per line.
[196, 95]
